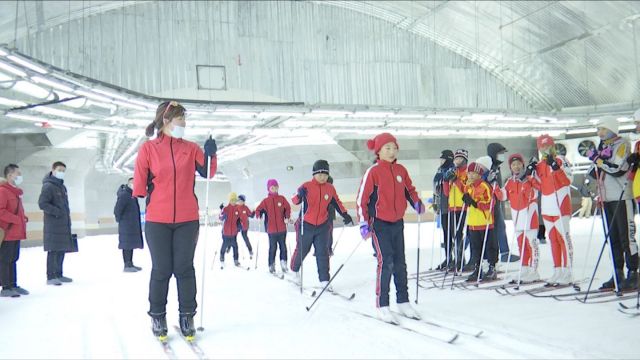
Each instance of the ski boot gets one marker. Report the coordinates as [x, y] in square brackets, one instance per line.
[474, 275]
[251, 255]
[272, 268]
[283, 265]
[236, 263]
[326, 284]
[491, 274]
[159, 325]
[385, 314]
[631, 283]
[408, 311]
[187, 328]
[611, 284]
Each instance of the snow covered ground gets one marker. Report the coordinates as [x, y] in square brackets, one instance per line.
[250, 314]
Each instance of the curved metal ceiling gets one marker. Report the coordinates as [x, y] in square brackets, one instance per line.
[556, 54]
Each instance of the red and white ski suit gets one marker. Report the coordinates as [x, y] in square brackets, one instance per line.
[523, 199]
[555, 207]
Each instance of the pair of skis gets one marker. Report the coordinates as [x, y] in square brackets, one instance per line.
[193, 345]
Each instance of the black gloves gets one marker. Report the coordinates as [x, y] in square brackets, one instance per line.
[541, 231]
[468, 200]
[633, 160]
[346, 219]
[302, 192]
[553, 163]
[450, 175]
[210, 147]
[530, 169]
[221, 206]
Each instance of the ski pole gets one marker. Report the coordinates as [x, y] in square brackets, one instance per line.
[206, 233]
[302, 213]
[457, 223]
[486, 233]
[515, 230]
[586, 256]
[418, 259]
[606, 235]
[338, 241]
[523, 244]
[433, 240]
[334, 275]
[466, 220]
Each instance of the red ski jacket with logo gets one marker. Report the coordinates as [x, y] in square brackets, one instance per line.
[165, 173]
[230, 217]
[275, 209]
[319, 197]
[245, 214]
[384, 191]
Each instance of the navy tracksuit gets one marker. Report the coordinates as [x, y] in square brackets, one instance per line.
[277, 240]
[318, 236]
[388, 238]
[229, 242]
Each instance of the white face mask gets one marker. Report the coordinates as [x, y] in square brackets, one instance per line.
[18, 180]
[59, 174]
[177, 132]
[501, 157]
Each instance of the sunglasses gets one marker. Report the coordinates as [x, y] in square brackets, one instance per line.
[171, 103]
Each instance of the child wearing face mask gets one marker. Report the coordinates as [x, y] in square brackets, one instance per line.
[165, 173]
[519, 190]
[13, 222]
[127, 214]
[610, 168]
[54, 202]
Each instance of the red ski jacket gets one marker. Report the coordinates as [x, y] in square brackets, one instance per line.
[12, 218]
[245, 213]
[319, 197]
[230, 217]
[165, 174]
[275, 209]
[384, 191]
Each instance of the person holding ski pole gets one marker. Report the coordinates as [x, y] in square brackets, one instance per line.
[381, 203]
[455, 180]
[245, 213]
[165, 173]
[230, 216]
[277, 213]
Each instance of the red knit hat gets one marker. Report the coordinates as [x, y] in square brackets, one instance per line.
[514, 157]
[379, 141]
[544, 140]
[476, 168]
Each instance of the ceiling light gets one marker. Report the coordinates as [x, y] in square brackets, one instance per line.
[129, 105]
[443, 116]
[28, 88]
[370, 114]
[27, 64]
[60, 113]
[53, 84]
[356, 123]
[410, 124]
[280, 113]
[581, 131]
[12, 69]
[92, 96]
[26, 117]
[303, 123]
[110, 94]
[318, 112]
[407, 116]
[12, 103]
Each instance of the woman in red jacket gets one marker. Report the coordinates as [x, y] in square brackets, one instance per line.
[165, 173]
[14, 223]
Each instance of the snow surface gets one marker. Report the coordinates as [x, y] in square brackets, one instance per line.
[250, 314]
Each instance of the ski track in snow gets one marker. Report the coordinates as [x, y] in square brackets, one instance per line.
[102, 314]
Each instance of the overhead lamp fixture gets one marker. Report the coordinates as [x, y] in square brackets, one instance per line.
[27, 64]
[92, 96]
[46, 125]
[320, 112]
[223, 123]
[627, 127]
[110, 94]
[130, 105]
[511, 118]
[443, 116]
[341, 123]
[12, 103]
[412, 124]
[407, 115]
[303, 123]
[60, 113]
[12, 69]
[53, 84]
[280, 113]
[581, 131]
[510, 125]
[370, 114]
[483, 116]
[30, 89]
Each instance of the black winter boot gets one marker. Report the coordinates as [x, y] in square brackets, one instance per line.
[159, 324]
[186, 325]
[611, 285]
[474, 275]
[631, 283]
[490, 274]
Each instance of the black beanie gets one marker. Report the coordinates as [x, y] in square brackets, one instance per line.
[321, 167]
[446, 155]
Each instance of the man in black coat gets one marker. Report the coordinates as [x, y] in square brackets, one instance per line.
[127, 213]
[54, 201]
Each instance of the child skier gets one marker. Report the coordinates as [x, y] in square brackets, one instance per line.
[245, 213]
[440, 199]
[610, 169]
[478, 198]
[316, 196]
[455, 180]
[553, 178]
[523, 199]
[231, 217]
[277, 212]
[381, 203]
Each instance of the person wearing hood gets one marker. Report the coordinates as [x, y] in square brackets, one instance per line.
[127, 214]
[455, 180]
[440, 199]
[14, 223]
[497, 153]
[54, 202]
[611, 169]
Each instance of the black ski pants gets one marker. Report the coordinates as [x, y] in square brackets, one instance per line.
[388, 238]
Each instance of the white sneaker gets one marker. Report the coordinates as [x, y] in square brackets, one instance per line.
[325, 283]
[554, 278]
[408, 311]
[385, 314]
[283, 265]
[565, 277]
[529, 275]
